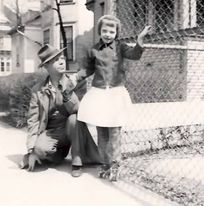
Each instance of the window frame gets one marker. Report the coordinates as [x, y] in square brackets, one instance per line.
[5, 63]
[46, 40]
[71, 43]
[67, 2]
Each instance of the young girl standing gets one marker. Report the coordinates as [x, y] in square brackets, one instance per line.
[105, 104]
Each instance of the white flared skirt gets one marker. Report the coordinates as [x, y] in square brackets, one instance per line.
[105, 107]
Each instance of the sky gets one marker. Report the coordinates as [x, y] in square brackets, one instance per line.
[23, 4]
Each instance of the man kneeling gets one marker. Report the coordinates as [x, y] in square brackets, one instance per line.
[52, 124]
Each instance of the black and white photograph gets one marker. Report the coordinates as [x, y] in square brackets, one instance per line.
[102, 102]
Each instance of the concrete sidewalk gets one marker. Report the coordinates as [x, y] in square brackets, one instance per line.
[55, 186]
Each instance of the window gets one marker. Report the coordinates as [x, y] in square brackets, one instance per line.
[46, 36]
[8, 66]
[164, 15]
[66, 1]
[200, 12]
[140, 13]
[102, 6]
[69, 37]
[2, 66]
[5, 62]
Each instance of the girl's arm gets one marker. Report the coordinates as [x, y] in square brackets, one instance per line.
[141, 36]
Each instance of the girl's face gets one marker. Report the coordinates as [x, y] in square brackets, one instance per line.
[108, 33]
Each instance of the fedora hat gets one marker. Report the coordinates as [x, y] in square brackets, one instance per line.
[47, 53]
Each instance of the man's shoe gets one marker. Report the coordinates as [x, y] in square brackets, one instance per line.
[114, 172]
[76, 171]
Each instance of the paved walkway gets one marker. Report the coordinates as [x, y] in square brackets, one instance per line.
[55, 186]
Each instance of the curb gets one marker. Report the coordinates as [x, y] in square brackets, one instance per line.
[146, 197]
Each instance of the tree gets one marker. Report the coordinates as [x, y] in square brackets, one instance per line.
[18, 15]
[63, 33]
[20, 7]
[16, 11]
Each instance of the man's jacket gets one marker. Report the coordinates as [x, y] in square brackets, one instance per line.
[39, 106]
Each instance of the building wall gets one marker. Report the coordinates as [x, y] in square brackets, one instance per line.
[5, 43]
[162, 74]
[25, 45]
[85, 18]
[195, 70]
[159, 76]
[81, 20]
[31, 60]
[85, 24]
[24, 48]
[5, 56]
[99, 9]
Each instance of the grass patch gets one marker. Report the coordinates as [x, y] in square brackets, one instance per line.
[181, 183]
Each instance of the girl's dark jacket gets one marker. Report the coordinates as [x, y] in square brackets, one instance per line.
[105, 61]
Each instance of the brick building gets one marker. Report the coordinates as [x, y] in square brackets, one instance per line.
[173, 70]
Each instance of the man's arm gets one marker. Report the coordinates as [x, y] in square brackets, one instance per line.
[33, 122]
[67, 85]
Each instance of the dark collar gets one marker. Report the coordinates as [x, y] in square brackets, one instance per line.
[102, 45]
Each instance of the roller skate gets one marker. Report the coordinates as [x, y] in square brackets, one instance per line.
[114, 172]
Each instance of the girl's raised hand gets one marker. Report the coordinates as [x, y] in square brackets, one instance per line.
[146, 31]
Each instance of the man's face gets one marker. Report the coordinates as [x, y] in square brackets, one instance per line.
[57, 64]
[108, 33]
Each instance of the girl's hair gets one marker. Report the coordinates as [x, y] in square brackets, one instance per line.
[110, 21]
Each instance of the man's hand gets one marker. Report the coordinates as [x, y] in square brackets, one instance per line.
[67, 85]
[144, 32]
[68, 82]
[32, 159]
[73, 78]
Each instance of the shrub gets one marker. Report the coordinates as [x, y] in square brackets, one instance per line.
[5, 85]
[19, 96]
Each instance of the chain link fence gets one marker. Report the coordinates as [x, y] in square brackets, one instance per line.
[166, 160]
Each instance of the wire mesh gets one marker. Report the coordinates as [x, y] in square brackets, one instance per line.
[167, 161]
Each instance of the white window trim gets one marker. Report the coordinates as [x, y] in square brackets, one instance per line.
[5, 60]
[67, 3]
[45, 29]
[74, 38]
